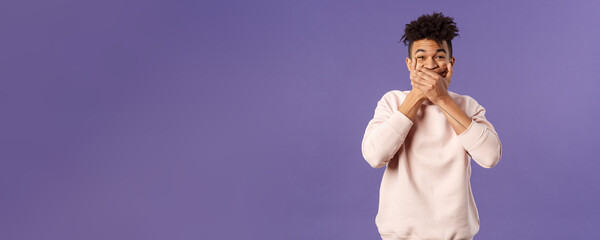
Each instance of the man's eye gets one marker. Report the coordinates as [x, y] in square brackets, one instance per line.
[420, 57]
[440, 56]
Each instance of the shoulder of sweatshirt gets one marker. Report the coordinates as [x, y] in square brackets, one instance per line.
[467, 103]
[394, 97]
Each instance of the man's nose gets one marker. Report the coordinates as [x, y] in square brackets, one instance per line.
[430, 64]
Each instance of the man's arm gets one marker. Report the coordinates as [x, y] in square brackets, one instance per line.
[410, 106]
[387, 130]
[457, 118]
[385, 133]
[476, 134]
[480, 139]
[435, 88]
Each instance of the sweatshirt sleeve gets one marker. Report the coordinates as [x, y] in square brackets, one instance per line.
[480, 139]
[385, 133]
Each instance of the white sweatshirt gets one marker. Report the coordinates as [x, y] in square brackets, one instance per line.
[425, 191]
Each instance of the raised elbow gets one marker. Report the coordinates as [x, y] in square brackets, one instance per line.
[490, 164]
[377, 163]
[491, 159]
[372, 157]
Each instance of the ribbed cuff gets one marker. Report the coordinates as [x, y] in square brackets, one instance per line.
[474, 135]
[399, 123]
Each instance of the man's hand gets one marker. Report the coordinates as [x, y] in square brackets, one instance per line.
[413, 71]
[433, 85]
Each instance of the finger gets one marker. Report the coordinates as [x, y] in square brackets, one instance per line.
[416, 77]
[421, 82]
[414, 68]
[414, 64]
[414, 84]
[419, 72]
[425, 77]
[419, 86]
[450, 71]
[431, 73]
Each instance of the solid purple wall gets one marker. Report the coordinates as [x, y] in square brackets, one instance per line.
[243, 119]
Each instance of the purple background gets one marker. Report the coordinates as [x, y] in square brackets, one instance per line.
[244, 119]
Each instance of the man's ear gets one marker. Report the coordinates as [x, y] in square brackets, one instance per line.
[408, 63]
[452, 60]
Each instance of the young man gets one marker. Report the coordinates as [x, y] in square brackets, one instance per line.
[426, 137]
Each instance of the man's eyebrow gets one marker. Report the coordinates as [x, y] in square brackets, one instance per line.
[439, 50]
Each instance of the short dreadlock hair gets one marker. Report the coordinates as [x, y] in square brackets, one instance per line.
[436, 27]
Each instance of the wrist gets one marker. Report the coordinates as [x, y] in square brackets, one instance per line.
[416, 96]
[444, 100]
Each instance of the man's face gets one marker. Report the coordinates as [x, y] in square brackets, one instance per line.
[430, 55]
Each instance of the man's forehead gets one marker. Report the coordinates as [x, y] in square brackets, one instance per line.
[427, 45]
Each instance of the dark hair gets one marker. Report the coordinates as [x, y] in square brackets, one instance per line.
[436, 27]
